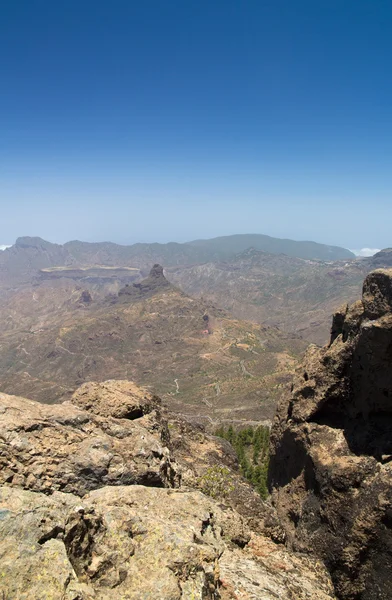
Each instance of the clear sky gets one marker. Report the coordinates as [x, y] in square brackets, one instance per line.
[172, 120]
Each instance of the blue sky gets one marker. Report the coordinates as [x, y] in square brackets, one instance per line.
[174, 120]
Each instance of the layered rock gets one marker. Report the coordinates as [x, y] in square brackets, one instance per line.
[331, 448]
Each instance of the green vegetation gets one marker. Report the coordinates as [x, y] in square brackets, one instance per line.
[215, 482]
[251, 445]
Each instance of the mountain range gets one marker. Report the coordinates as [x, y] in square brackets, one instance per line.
[217, 340]
[29, 253]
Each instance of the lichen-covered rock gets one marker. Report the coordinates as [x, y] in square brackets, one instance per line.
[60, 447]
[83, 539]
[264, 570]
[141, 543]
[331, 448]
[377, 294]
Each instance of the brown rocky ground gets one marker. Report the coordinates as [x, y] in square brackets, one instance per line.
[331, 448]
[84, 529]
[296, 295]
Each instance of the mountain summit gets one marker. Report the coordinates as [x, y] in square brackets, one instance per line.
[156, 281]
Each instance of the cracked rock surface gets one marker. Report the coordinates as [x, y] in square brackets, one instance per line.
[75, 523]
[61, 447]
[142, 543]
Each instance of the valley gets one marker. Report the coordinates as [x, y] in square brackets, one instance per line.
[219, 341]
[202, 361]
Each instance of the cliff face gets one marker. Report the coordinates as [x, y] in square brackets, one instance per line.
[331, 448]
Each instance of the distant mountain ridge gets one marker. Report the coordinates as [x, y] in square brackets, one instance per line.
[173, 253]
[270, 286]
[235, 244]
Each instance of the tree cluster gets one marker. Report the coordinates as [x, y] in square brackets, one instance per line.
[252, 447]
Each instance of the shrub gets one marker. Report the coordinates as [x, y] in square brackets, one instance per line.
[215, 482]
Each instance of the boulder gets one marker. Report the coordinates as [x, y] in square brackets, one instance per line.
[61, 447]
[119, 399]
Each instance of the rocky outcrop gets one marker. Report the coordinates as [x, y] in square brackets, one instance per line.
[75, 524]
[114, 398]
[331, 448]
[155, 282]
[142, 543]
[47, 448]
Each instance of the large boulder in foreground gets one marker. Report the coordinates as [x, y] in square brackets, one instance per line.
[331, 448]
[142, 543]
[61, 447]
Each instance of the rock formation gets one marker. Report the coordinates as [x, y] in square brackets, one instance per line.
[156, 281]
[76, 525]
[65, 448]
[142, 544]
[331, 448]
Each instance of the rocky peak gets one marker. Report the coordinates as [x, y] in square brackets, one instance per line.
[85, 297]
[154, 283]
[157, 272]
[331, 448]
[33, 242]
[377, 293]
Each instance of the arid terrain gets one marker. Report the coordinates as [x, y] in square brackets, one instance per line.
[294, 294]
[223, 350]
[200, 359]
[91, 459]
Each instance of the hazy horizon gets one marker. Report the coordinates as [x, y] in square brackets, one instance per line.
[177, 121]
[359, 252]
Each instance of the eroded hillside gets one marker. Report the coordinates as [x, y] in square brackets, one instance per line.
[201, 360]
[296, 295]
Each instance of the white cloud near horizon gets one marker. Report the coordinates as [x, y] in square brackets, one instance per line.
[366, 251]
[4, 247]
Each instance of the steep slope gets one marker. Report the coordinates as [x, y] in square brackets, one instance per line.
[290, 293]
[331, 448]
[201, 360]
[382, 259]
[21, 262]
